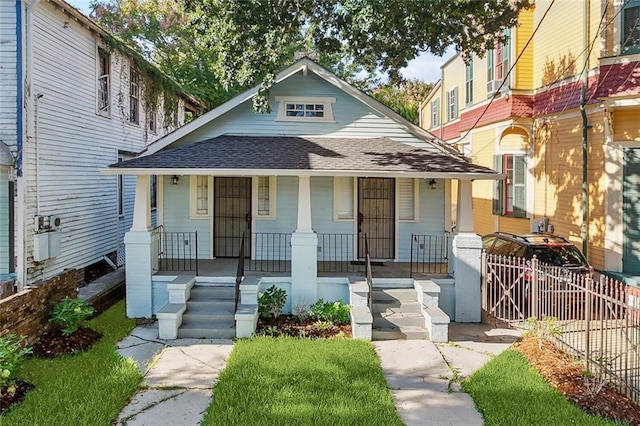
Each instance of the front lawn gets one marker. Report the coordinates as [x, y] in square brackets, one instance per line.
[89, 388]
[507, 391]
[285, 380]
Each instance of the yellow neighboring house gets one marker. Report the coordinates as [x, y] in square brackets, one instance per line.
[556, 109]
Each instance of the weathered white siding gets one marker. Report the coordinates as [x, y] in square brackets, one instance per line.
[8, 69]
[4, 220]
[74, 142]
[353, 119]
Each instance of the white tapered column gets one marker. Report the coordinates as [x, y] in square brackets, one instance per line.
[467, 248]
[304, 251]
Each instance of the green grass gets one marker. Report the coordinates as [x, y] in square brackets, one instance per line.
[89, 388]
[507, 391]
[303, 382]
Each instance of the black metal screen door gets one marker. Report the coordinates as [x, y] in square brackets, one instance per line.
[232, 215]
[376, 209]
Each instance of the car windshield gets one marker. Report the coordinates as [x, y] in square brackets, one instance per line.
[559, 255]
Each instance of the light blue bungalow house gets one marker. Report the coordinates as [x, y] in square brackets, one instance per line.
[300, 187]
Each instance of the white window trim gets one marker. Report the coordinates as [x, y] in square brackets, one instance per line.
[416, 199]
[326, 101]
[193, 198]
[107, 113]
[272, 199]
[354, 201]
[435, 112]
[136, 71]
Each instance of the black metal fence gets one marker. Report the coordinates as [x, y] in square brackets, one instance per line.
[177, 251]
[336, 253]
[271, 252]
[430, 254]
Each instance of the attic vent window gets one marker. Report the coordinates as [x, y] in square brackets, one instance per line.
[297, 108]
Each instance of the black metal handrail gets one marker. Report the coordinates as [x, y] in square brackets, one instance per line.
[368, 273]
[177, 251]
[239, 271]
[429, 254]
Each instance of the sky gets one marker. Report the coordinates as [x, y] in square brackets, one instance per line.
[425, 67]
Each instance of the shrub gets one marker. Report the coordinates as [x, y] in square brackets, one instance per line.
[12, 353]
[271, 301]
[333, 312]
[543, 329]
[68, 313]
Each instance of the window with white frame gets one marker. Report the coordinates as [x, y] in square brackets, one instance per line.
[452, 104]
[104, 82]
[498, 63]
[343, 192]
[153, 122]
[510, 196]
[435, 112]
[407, 206]
[264, 196]
[300, 108]
[200, 199]
[134, 96]
[631, 27]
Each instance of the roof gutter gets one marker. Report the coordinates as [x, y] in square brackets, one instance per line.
[297, 172]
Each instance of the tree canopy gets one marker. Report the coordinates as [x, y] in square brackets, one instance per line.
[215, 46]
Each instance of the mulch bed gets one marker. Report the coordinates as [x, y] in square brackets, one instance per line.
[290, 325]
[565, 374]
[53, 343]
[13, 396]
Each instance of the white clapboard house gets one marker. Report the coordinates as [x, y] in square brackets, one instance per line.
[72, 102]
[329, 178]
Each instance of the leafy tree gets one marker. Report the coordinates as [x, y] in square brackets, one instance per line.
[251, 38]
[160, 30]
[404, 97]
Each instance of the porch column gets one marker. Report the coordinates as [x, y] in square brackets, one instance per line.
[304, 251]
[141, 254]
[467, 247]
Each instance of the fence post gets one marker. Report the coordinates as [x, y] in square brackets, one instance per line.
[483, 280]
[588, 284]
[535, 286]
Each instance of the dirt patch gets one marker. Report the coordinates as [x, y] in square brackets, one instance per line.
[291, 325]
[13, 394]
[53, 343]
[565, 374]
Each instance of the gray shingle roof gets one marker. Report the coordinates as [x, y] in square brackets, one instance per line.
[303, 153]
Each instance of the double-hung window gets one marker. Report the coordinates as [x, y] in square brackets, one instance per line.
[435, 112]
[498, 64]
[200, 200]
[631, 27]
[265, 190]
[104, 82]
[452, 104]
[468, 89]
[134, 96]
[509, 196]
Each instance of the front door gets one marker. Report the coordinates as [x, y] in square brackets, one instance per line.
[631, 212]
[376, 217]
[232, 215]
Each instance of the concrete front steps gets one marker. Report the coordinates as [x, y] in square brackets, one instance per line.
[209, 312]
[397, 315]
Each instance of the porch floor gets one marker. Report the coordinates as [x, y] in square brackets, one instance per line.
[226, 267]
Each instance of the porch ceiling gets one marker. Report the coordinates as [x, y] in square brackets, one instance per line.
[256, 155]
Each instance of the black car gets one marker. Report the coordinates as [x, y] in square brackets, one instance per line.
[549, 249]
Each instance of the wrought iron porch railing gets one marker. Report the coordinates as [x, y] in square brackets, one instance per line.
[239, 272]
[430, 254]
[177, 251]
[271, 252]
[369, 277]
[598, 320]
[336, 253]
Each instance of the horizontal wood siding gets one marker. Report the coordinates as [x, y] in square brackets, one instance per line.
[483, 144]
[520, 36]
[4, 220]
[74, 142]
[286, 218]
[8, 77]
[322, 209]
[430, 220]
[352, 118]
[625, 122]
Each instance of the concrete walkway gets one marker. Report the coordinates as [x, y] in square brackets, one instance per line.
[423, 377]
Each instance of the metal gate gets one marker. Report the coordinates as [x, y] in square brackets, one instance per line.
[631, 212]
[232, 215]
[376, 217]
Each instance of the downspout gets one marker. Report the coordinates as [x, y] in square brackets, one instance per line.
[585, 125]
[19, 240]
[19, 88]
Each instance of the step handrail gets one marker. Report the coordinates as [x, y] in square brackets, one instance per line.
[239, 271]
